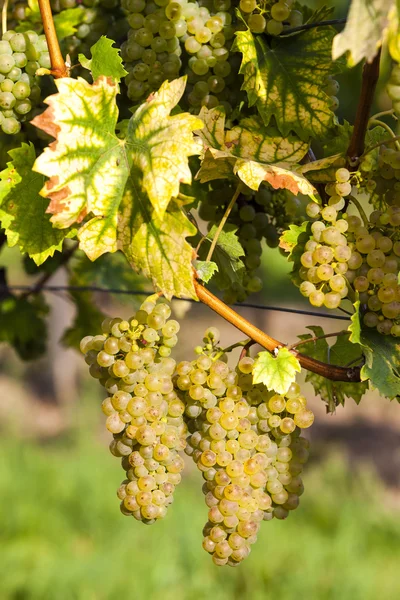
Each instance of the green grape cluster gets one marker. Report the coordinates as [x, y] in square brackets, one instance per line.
[167, 38]
[270, 17]
[375, 274]
[258, 216]
[381, 177]
[131, 360]
[21, 55]
[327, 257]
[246, 442]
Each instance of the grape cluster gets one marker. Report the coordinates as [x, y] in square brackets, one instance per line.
[245, 441]
[21, 55]
[167, 38]
[380, 176]
[144, 414]
[258, 216]
[270, 17]
[377, 277]
[327, 257]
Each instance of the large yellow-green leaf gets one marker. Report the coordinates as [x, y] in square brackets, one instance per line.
[286, 78]
[23, 210]
[364, 32]
[122, 187]
[89, 165]
[155, 246]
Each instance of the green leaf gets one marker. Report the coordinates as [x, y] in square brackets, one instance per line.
[340, 354]
[23, 212]
[88, 318]
[67, 20]
[23, 326]
[286, 79]
[382, 357]
[205, 269]
[242, 149]
[227, 256]
[105, 61]
[290, 238]
[276, 372]
[364, 31]
[394, 33]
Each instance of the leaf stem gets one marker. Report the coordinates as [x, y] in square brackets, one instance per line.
[383, 143]
[223, 221]
[318, 337]
[385, 126]
[58, 67]
[369, 80]
[241, 344]
[4, 17]
[331, 372]
[307, 26]
[385, 113]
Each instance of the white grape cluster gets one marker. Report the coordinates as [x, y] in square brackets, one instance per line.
[377, 251]
[343, 251]
[21, 55]
[270, 17]
[327, 256]
[166, 38]
[144, 414]
[380, 176]
[245, 441]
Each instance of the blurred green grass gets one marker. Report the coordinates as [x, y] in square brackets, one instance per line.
[62, 536]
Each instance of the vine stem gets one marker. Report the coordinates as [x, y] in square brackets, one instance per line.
[369, 80]
[317, 338]
[67, 255]
[383, 143]
[58, 67]
[331, 372]
[4, 17]
[223, 221]
[360, 210]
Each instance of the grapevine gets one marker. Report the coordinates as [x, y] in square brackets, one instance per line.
[174, 141]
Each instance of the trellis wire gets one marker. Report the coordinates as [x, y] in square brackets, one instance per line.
[102, 290]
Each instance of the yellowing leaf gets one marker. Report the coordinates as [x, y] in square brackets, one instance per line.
[244, 148]
[122, 187]
[157, 247]
[276, 372]
[364, 32]
[286, 78]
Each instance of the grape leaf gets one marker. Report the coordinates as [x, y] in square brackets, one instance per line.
[287, 79]
[243, 147]
[340, 354]
[276, 372]
[364, 31]
[251, 139]
[89, 165]
[157, 246]
[290, 238]
[23, 210]
[23, 326]
[382, 357]
[393, 32]
[87, 321]
[105, 61]
[227, 256]
[66, 21]
[205, 269]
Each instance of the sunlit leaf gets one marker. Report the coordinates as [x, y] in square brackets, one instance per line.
[276, 372]
[105, 61]
[205, 269]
